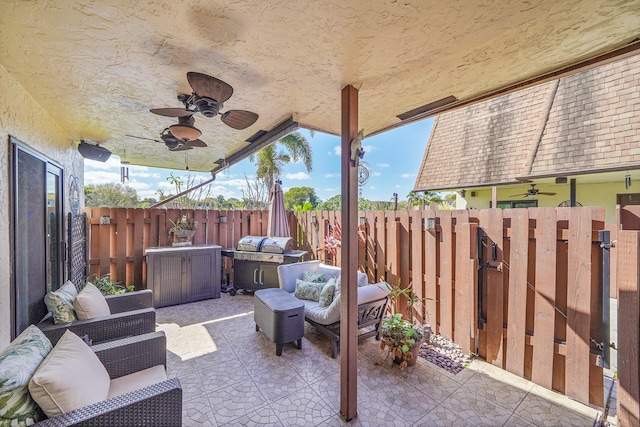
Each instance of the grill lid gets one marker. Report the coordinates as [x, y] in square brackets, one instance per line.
[250, 243]
[277, 245]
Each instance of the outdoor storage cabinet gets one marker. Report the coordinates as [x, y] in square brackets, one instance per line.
[280, 315]
[178, 275]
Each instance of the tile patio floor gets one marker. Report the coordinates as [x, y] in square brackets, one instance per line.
[231, 376]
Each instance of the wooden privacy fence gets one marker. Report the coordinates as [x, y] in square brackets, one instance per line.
[118, 237]
[521, 287]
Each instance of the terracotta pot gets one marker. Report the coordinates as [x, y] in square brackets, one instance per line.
[415, 351]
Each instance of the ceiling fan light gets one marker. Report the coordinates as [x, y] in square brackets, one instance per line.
[208, 107]
[185, 132]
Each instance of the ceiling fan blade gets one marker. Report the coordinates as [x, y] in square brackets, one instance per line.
[210, 87]
[521, 195]
[239, 119]
[181, 147]
[546, 193]
[142, 137]
[172, 112]
[196, 143]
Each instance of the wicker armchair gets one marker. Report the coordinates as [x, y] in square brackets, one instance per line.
[156, 405]
[132, 313]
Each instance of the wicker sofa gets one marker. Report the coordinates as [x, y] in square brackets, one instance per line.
[133, 381]
[372, 302]
[132, 313]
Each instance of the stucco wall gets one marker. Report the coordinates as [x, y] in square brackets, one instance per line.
[592, 194]
[22, 118]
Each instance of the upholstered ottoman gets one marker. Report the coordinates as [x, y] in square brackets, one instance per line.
[280, 315]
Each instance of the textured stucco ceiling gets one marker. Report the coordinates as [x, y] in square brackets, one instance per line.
[98, 66]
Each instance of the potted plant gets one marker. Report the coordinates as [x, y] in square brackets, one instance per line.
[403, 337]
[183, 230]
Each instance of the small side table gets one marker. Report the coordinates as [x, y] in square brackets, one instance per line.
[280, 315]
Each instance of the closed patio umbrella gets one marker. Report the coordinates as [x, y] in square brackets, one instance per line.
[278, 225]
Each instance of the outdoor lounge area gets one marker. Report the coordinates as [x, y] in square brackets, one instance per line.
[230, 375]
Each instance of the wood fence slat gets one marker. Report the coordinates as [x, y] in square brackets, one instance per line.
[430, 273]
[491, 221]
[544, 302]
[578, 305]
[104, 242]
[370, 262]
[403, 249]
[417, 259]
[381, 244]
[465, 299]
[517, 302]
[138, 246]
[122, 250]
[628, 328]
[446, 272]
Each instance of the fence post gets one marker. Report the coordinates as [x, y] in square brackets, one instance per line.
[628, 328]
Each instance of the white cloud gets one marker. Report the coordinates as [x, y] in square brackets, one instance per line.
[408, 175]
[331, 175]
[137, 185]
[382, 165]
[300, 176]
[372, 187]
[337, 150]
[376, 174]
[141, 174]
[111, 163]
[369, 148]
[331, 189]
[100, 177]
[147, 194]
[398, 186]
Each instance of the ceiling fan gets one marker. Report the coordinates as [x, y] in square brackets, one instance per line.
[173, 143]
[533, 192]
[207, 98]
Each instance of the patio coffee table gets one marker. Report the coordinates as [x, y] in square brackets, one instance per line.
[280, 315]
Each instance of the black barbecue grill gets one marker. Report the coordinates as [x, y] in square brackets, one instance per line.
[256, 260]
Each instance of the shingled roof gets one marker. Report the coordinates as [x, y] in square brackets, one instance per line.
[587, 122]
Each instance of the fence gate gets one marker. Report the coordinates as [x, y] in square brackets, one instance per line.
[541, 295]
[77, 229]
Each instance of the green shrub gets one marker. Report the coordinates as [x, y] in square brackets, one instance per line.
[109, 287]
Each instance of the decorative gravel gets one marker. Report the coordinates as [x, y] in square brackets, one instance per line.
[444, 353]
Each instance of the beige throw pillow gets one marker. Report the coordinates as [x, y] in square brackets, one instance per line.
[90, 303]
[70, 377]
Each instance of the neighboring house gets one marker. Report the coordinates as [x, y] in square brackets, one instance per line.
[585, 127]
[38, 164]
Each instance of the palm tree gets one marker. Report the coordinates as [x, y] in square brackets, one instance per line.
[271, 159]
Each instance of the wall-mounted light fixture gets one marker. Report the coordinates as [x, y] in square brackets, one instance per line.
[429, 223]
[463, 193]
[223, 219]
[627, 181]
[362, 221]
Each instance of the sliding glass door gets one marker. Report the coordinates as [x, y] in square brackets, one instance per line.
[37, 230]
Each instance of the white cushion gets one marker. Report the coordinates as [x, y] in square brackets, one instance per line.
[70, 377]
[323, 315]
[331, 314]
[90, 303]
[137, 380]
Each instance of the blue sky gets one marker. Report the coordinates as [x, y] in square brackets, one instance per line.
[394, 156]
